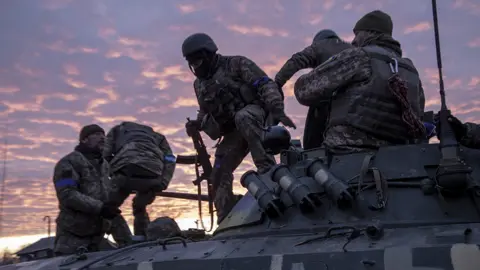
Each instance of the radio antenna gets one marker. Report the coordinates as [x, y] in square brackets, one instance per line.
[452, 175]
[439, 56]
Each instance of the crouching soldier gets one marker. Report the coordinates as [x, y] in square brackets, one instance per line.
[80, 183]
[141, 160]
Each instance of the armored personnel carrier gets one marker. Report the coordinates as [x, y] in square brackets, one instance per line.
[404, 207]
[390, 209]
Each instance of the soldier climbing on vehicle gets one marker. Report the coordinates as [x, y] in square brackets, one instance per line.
[141, 160]
[80, 183]
[237, 100]
[325, 44]
[376, 97]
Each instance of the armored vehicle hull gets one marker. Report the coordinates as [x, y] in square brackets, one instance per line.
[396, 219]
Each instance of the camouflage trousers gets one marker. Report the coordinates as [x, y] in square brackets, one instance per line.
[231, 151]
[346, 139]
[68, 243]
[123, 183]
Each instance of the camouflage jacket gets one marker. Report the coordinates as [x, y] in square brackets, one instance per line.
[310, 57]
[348, 80]
[81, 191]
[240, 72]
[156, 157]
[472, 136]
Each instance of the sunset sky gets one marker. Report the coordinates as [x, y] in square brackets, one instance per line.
[65, 64]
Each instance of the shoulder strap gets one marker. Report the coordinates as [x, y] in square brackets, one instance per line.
[376, 52]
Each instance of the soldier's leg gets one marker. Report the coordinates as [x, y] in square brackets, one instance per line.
[250, 123]
[140, 214]
[120, 231]
[95, 243]
[67, 243]
[229, 154]
[118, 193]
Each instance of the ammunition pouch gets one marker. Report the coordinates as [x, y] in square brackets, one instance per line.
[211, 127]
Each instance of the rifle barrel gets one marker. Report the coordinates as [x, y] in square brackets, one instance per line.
[180, 195]
[186, 160]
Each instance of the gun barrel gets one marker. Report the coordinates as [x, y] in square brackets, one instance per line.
[187, 160]
[181, 195]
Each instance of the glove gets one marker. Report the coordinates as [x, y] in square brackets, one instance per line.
[458, 127]
[191, 126]
[109, 211]
[285, 120]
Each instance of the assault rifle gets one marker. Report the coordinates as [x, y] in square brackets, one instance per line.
[201, 159]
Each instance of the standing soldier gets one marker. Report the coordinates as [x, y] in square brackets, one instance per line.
[235, 98]
[326, 43]
[376, 95]
[80, 183]
[141, 160]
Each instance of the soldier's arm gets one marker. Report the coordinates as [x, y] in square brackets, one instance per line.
[66, 182]
[300, 60]
[200, 113]
[170, 160]
[109, 144]
[254, 76]
[472, 135]
[323, 82]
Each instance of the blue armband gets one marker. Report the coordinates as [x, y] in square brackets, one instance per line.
[261, 81]
[431, 129]
[65, 182]
[170, 158]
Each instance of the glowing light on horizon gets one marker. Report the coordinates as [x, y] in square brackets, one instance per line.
[14, 243]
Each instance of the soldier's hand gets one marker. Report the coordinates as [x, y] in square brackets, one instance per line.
[286, 121]
[109, 211]
[457, 126]
[192, 126]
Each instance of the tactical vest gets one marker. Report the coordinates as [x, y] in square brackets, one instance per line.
[374, 109]
[133, 132]
[223, 95]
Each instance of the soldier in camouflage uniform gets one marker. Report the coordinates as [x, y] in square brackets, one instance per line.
[326, 43]
[236, 98]
[375, 95]
[80, 183]
[141, 160]
[467, 134]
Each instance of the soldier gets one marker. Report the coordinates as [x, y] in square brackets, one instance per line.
[235, 98]
[326, 43]
[141, 160]
[467, 134]
[376, 95]
[79, 179]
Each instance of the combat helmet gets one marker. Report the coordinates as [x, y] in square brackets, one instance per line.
[197, 42]
[276, 139]
[325, 34]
